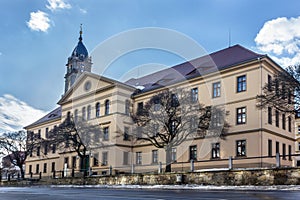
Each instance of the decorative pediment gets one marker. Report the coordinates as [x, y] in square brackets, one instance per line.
[86, 84]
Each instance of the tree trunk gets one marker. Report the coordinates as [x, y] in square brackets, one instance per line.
[22, 172]
[168, 159]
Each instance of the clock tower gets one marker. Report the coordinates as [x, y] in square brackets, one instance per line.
[78, 62]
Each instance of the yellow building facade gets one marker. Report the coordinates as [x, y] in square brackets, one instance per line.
[233, 79]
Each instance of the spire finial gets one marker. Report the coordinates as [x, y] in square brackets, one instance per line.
[80, 33]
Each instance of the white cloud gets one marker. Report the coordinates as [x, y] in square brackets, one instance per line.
[280, 38]
[15, 114]
[83, 11]
[39, 21]
[58, 4]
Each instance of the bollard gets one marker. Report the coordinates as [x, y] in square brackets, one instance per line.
[192, 166]
[277, 160]
[230, 163]
[110, 170]
[159, 167]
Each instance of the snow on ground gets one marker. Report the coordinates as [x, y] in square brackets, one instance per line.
[188, 187]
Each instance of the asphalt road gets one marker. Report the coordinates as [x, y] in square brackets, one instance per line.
[48, 193]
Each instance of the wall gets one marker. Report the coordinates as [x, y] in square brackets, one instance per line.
[283, 176]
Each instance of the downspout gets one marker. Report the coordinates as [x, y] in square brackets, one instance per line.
[261, 120]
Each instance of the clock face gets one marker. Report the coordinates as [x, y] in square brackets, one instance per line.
[87, 85]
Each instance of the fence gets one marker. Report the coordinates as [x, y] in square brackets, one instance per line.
[158, 168]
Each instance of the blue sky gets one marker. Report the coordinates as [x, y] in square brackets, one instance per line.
[38, 36]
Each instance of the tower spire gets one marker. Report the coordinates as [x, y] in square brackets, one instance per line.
[80, 33]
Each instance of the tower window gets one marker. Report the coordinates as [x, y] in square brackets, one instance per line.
[97, 109]
[107, 107]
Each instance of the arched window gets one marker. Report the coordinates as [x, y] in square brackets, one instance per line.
[76, 115]
[97, 109]
[107, 107]
[127, 107]
[83, 114]
[88, 112]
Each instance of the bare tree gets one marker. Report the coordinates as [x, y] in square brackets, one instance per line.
[18, 146]
[76, 136]
[282, 91]
[172, 116]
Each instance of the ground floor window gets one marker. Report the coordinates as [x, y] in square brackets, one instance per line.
[241, 148]
[138, 158]
[53, 167]
[193, 152]
[174, 154]
[215, 150]
[104, 158]
[154, 156]
[45, 168]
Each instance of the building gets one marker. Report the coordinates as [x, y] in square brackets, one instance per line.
[232, 77]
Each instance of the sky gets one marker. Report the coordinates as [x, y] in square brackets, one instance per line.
[38, 36]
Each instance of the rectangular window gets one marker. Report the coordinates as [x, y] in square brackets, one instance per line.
[241, 148]
[283, 91]
[277, 118]
[74, 162]
[126, 133]
[269, 82]
[216, 118]
[216, 89]
[290, 152]
[289, 97]
[138, 158]
[174, 100]
[269, 115]
[277, 147]
[106, 133]
[241, 115]
[283, 151]
[37, 169]
[270, 148]
[127, 107]
[53, 148]
[96, 159]
[193, 152]
[174, 154]
[215, 150]
[39, 134]
[154, 156]
[104, 158]
[47, 133]
[125, 158]
[156, 104]
[140, 107]
[283, 121]
[290, 124]
[45, 168]
[38, 151]
[241, 83]
[45, 149]
[194, 95]
[277, 87]
[53, 167]
[66, 161]
[193, 123]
